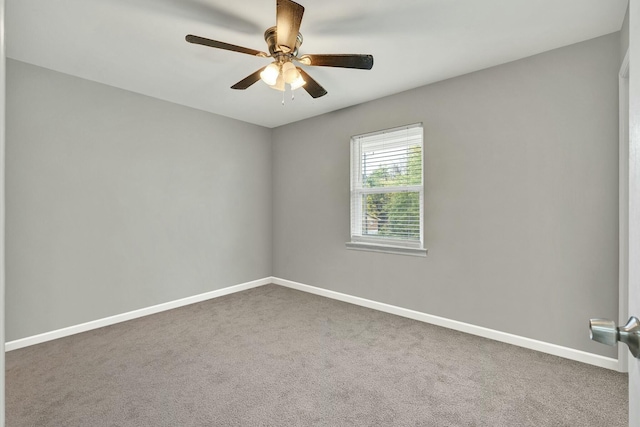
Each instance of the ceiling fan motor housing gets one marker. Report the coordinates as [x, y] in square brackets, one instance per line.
[270, 36]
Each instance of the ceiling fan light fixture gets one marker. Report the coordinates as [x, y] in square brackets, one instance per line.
[298, 83]
[290, 72]
[279, 84]
[270, 74]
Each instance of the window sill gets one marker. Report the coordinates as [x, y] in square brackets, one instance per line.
[397, 250]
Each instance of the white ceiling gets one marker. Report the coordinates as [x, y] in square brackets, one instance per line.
[139, 45]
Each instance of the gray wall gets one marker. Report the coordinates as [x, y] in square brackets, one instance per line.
[521, 197]
[117, 201]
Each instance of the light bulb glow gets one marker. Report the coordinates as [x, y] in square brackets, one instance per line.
[289, 72]
[298, 83]
[270, 74]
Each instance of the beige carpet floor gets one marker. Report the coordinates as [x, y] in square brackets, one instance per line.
[273, 356]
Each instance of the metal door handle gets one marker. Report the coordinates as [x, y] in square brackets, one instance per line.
[606, 332]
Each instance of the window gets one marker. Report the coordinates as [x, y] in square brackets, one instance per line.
[387, 191]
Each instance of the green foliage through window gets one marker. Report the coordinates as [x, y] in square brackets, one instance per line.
[394, 214]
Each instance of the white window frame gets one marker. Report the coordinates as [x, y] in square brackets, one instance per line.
[369, 242]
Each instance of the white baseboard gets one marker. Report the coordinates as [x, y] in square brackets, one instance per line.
[544, 347]
[123, 317]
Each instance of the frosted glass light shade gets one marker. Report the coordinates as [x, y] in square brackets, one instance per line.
[270, 74]
[297, 83]
[279, 84]
[289, 72]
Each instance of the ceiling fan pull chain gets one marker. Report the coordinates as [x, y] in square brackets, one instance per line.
[283, 97]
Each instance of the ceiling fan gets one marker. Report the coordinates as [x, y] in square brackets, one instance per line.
[283, 41]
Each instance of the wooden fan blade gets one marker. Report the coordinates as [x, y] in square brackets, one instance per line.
[312, 87]
[288, 19]
[361, 62]
[222, 45]
[248, 81]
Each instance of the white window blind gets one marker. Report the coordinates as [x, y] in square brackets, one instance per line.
[387, 187]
